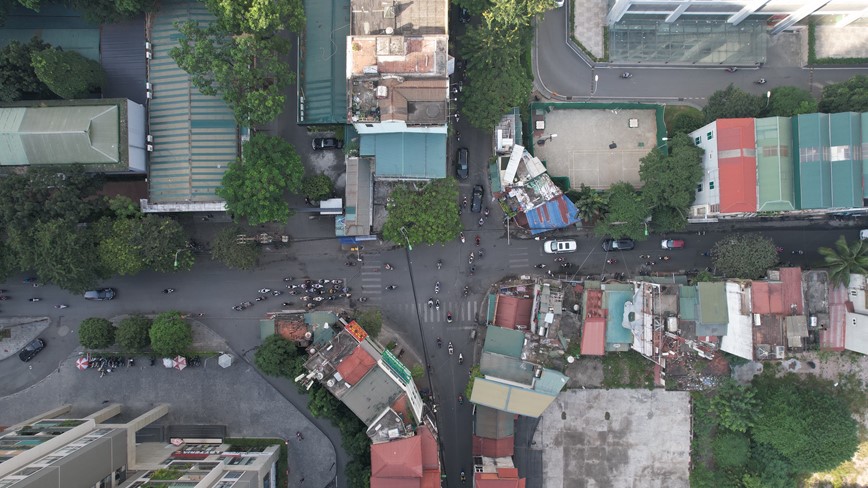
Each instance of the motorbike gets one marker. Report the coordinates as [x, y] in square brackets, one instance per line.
[551, 275]
[761, 81]
[439, 343]
[286, 304]
[33, 299]
[439, 263]
[611, 261]
[430, 302]
[460, 358]
[560, 260]
[644, 256]
[485, 212]
[463, 478]
[466, 291]
[260, 298]
[449, 317]
[436, 287]
[4, 298]
[61, 306]
[388, 267]
[472, 255]
[664, 258]
[464, 203]
[539, 266]
[265, 290]
[449, 348]
[349, 263]
[731, 69]
[478, 240]
[363, 299]
[392, 287]
[169, 290]
[481, 253]
[299, 436]
[460, 399]
[437, 304]
[481, 221]
[626, 75]
[277, 293]
[461, 235]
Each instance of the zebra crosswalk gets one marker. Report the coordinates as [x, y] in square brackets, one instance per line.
[462, 311]
[372, 277]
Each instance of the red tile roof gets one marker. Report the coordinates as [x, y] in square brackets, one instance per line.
[494, 448]
[792, 290]
[293, 330]
[767, 298]
[430, 454]
[594, 337]
[356, 365]
[406, 463]
[503, 478]
[512, 311]
[736, 162]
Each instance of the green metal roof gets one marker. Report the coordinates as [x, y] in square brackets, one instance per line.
[774, 163]
[506, 367]
[55, 24]
[59, 135]
[323, 63]
[321, 333]
[845, 140]
[688, 300]
[813, 172]
[712, 303]
[551, 382]
[507, 342]
[406, 154]
[195, 136]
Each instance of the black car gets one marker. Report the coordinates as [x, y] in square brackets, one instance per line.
[31, 350]
[476, 200]
[462, 168]
[618, 245]
[321, 143]
[101, 294]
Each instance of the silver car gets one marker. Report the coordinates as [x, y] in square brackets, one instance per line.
[559, 246]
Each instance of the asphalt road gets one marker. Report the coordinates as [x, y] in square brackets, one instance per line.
[559, 69]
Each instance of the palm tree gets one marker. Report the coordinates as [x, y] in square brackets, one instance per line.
[845, 259]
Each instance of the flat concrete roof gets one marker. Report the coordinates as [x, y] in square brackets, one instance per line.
[645, 442]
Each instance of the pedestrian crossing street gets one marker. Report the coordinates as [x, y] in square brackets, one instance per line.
[462, 311]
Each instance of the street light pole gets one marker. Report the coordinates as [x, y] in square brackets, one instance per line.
[768, 98]
[404, 233]
[596, 79]
[176, 257]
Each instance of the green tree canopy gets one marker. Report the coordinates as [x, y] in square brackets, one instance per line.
[96, 11]
[496, 79]
[845, 258]
[807, 425]
[626, 215]
[170, 335]
[516, 14]
[428, 216]
[96, 333]
[258, 17]
[372, 321]
[17, 77]
[787, 101]
[669, 180]
[276, 356]
[65, 254]
[233, 252]
[687, 122]
[317, 187]
[847, 96]
[67, 73]
[591, 203]
[731, 449]
[735, 406]
[732, 102]
[246, 70]
[254, 185]
[746, 256]
[133, 333]
[130, 245]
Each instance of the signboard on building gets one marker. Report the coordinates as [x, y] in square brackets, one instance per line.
[397, 367]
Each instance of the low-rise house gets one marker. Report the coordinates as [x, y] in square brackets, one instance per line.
[411, 462]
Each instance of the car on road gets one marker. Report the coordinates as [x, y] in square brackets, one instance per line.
[321, 143]
[672, 244]
[476, 199]
[560, 246]
[863, 234]
[462, 167]
[618, 245]
[31, 350]
[101, 294]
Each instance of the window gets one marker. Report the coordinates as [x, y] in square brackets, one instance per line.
[710, 135]
[699, 188]
[711, 185]
[697, 140]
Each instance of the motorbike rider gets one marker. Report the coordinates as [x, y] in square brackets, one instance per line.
[478, 240]
[168, 290]
[460, 358]
[389, 267]
[437, 304]
[449, 347]
[439, 263]
[449, 317]
[430, 302]
[461, 235]
[439, 342]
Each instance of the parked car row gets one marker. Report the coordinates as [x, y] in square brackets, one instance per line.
[558, 246]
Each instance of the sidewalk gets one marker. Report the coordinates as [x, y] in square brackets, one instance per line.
[22, 330]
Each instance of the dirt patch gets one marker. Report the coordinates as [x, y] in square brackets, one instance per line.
[585, 373]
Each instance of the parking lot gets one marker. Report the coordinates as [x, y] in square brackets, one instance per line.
[581, 150]
[616, 438]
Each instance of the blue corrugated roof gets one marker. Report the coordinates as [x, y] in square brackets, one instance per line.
[122, 55]
[406, 154]
[615, 331]
[195, 136]
[554, 214]
[324, 63]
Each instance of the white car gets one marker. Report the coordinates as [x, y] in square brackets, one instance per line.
[863, 235]
[559, 246]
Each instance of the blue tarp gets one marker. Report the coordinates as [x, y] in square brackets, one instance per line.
[554, 214]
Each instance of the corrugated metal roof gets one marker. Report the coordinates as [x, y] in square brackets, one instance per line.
[712, 309]
[122, 55]
[774, 159]
[55, 24]
[688, 302]
[845, 140]
[550, 382]
[60, 135]
[509, 398]
[195, 136]
[616, 333]
[813, 172]
[502, 341]
[506, 368]
[793, 298]
[493, 424]
[555, 214]
[736, 153]
[323, 75]
[864, 134]
[406, 154]
[512, 311]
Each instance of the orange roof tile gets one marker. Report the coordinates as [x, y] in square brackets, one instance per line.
[792, 290]
[398, 459]
[503, 447]
[356, 365]
[594, 337]
[512, 311]
[736, 164]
